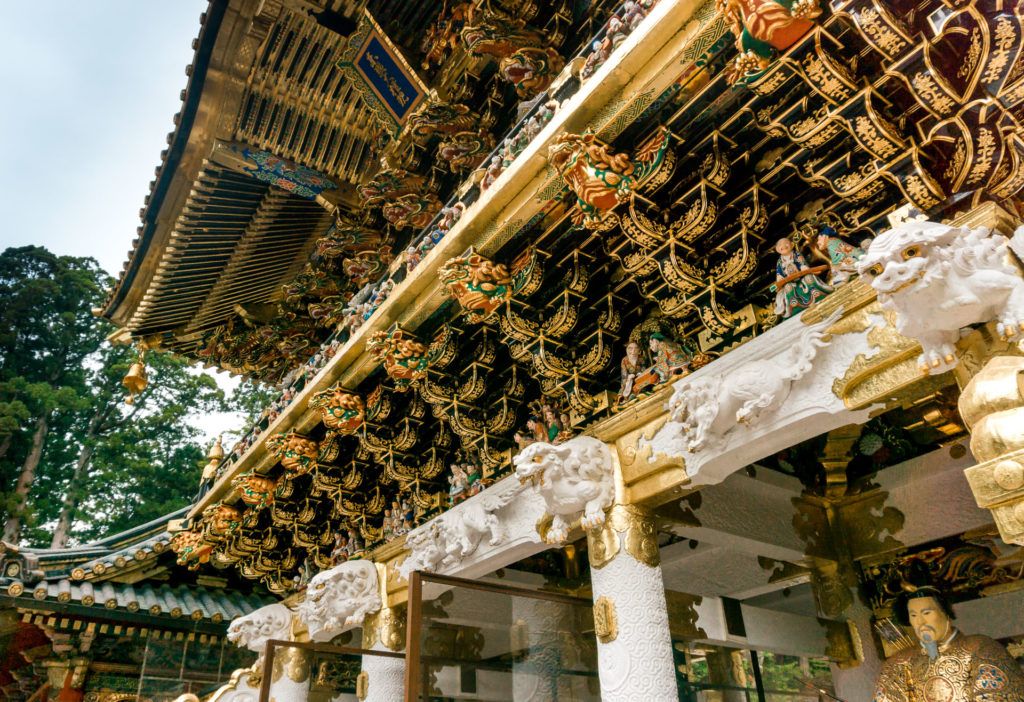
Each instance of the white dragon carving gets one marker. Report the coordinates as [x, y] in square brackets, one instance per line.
[340, 598]
[259, 626]
[939, 279]
[574, 478]
[458, 533]
[707, 408]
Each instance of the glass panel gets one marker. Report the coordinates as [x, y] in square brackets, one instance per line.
[482, 642]
[175, 665]
[717, 674]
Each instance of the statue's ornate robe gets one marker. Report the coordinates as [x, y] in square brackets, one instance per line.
[968, 669]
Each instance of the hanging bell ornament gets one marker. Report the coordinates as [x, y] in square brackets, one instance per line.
[135, 382]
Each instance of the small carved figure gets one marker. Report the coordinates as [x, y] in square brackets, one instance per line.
[670, 360]
[797, 285]
[534, 432]
[841, 256]
[339, 554]
[458, 483]
[493, 171]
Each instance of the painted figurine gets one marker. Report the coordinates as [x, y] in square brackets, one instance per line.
[841, 257]
[493, 171]
[458, 485]
[797, 285]
[670, 360]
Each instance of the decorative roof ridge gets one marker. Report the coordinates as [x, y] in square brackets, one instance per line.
[210, 21]
[185, 602]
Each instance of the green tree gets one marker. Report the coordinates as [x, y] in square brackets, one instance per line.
[78, 461]
[47, 331]
[124, 452]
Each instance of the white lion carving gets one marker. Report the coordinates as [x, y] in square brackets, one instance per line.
[259, 626]
[708, 408]
[939, 279]
[457, 534]
[340, 598]
[574, 478]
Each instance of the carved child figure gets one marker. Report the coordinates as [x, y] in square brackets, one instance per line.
[797, 286]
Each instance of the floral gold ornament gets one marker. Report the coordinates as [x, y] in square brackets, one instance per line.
[340, 410]
[606, 620]
[992, 405]
[297, 453]
[627, 527]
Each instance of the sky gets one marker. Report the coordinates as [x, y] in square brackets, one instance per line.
[88, 93]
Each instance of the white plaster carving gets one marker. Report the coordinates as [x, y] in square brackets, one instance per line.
[638, 664]
[256, 628]
[574, 478]
[457, 534]
[339, 599]
[237, 689]
[939, 279]
[709, 407]
[799, 409]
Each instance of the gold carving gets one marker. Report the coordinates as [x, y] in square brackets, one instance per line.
[386, 626]
[992, 405]
[683, 616]
[362, 684]
[844, 643]
[628, 527]
[606, 623]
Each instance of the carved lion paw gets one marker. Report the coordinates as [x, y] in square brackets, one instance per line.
[558, 532]
[1010, 327]
[937, 359]
[592, 519]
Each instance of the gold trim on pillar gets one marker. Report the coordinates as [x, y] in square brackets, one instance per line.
[606, 621]
[992, 405]
[638, 535]
[386, 626]
[362, 684]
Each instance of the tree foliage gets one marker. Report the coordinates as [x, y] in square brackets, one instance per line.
[76, 462]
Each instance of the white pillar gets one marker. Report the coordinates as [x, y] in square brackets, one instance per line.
[634, 656]
[383, 677]
[290, 676]
[538, 623]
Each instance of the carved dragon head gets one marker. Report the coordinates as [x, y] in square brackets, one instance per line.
[906, 258]
[256, 628]
[533, 462]
[339, 598]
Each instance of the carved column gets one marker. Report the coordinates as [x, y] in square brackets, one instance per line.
[634, 650]
[290, 675]
[992, 405]
[382, 679]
